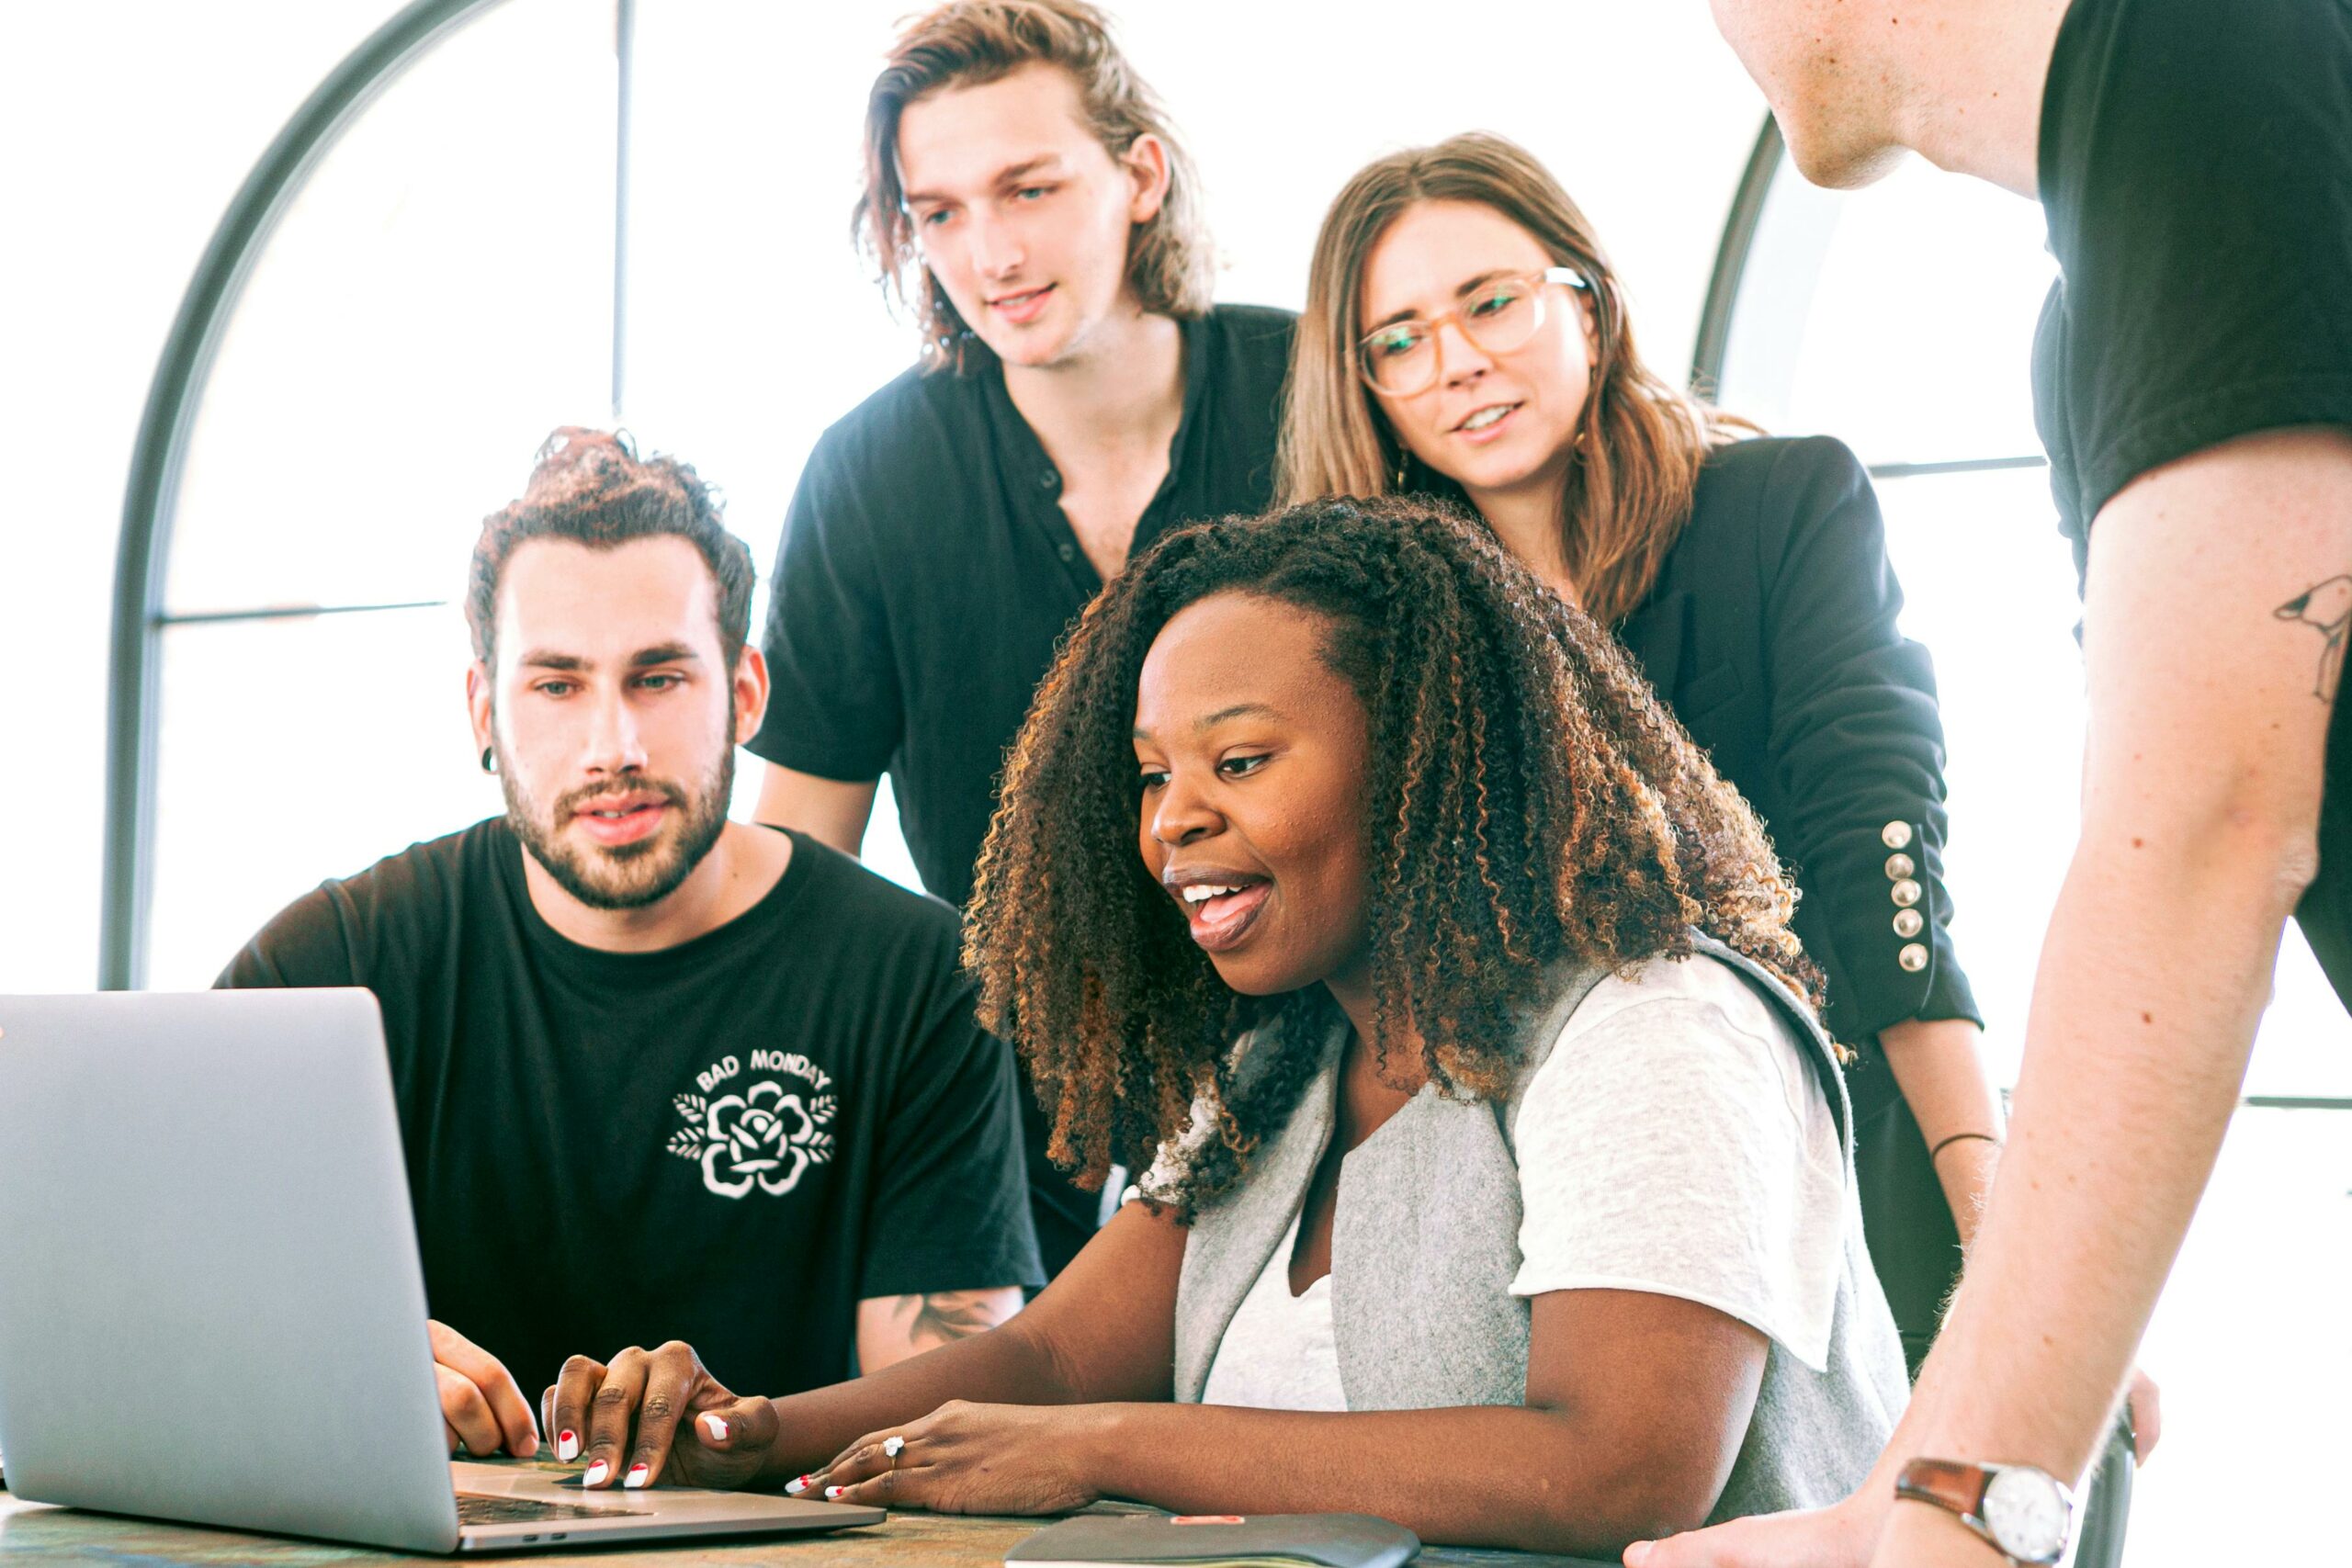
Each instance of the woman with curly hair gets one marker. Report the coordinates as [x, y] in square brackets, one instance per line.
[1505, 1179]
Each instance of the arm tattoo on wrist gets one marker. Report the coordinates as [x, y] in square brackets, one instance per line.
[941, 1316]
[2326, 607]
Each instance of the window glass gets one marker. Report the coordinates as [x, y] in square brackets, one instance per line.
[1931, 282]
[436, 296]
[295, 750]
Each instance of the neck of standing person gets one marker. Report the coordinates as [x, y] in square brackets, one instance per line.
[742, 868]
[1963, 85]
[1106, 415]
[1526, 518]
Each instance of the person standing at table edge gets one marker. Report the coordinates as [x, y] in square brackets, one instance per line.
[660, 1074]
[2192, 382]
[1027, 200]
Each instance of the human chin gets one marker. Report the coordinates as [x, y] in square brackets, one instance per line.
[1269, 960]
[634, 874]
[1522, 452]
[1035, 328]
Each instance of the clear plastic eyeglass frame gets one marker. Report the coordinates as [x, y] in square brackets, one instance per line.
[1423, 372]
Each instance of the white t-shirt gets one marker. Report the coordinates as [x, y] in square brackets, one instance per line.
[1676, 1141]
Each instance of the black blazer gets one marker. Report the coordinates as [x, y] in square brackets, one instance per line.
[1771, 634]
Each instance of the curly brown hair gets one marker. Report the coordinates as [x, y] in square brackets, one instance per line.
[590, 486]
[1530, 801]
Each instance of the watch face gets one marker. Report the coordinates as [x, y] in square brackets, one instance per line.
[2028, 1514]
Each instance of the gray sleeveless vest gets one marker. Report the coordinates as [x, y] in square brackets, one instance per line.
[1425, 1244]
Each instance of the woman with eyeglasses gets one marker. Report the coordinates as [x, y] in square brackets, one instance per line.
[1463, 336]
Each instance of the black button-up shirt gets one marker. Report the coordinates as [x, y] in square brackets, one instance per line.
[927, 571]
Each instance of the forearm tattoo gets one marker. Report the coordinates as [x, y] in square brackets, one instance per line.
[2326, 608]
[929, 1321]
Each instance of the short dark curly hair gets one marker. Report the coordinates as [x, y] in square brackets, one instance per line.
[591, 487]
[1530, 801]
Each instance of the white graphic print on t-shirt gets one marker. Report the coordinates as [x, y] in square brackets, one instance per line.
[760, 1133]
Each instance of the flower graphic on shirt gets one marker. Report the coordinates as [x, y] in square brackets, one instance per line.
[763, 1137]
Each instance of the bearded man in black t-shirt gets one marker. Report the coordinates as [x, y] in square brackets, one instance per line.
[2193, 384]
[661, 1075]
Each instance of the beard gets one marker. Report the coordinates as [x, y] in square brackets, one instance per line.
[623, 876]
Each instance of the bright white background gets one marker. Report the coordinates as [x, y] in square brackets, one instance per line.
[441, 296]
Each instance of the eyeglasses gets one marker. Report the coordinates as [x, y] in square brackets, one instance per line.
[1402, 358]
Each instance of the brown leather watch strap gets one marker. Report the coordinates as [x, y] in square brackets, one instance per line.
[1948, 1483]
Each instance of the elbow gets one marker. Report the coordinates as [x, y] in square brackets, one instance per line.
[1677, 1497]
[2255, 847]
[1645, 1495]
[2294, 865]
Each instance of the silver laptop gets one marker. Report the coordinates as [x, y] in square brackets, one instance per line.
[211, 1307]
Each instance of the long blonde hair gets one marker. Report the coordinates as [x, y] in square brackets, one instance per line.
[1640, 440]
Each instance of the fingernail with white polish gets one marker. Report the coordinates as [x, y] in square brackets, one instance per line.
[833, 1491]
[566, 1446]
[596, 1473]
[796, 1486]
[639, 1474]
[717, 1427]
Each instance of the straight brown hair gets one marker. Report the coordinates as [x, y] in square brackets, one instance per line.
[970, 43]
[1640, 440]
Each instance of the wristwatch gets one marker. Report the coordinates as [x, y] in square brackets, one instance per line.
[2026, 1515]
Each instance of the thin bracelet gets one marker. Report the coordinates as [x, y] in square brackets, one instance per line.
[1956, 1137]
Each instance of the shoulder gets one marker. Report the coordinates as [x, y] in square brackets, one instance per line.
[2193, 164]
[1255, 340]
[1257, 328]
[1675, 1030]
[1774, 474]
[2153, 92]
[2183, 142]
[912, 417]
[1775, 493]
[338, 932]
[899, 931]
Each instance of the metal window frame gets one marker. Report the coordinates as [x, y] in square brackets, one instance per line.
[152, 498]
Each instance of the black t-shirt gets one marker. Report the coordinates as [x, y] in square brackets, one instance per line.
[927, 571]
[2196, 166]
[730, 1142]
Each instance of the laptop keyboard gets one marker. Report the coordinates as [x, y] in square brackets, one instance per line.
[475, 1508]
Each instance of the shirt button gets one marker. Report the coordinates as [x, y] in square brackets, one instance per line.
[1906, 893]
[1907, 923]
[1049, 481]
[1914, 957]
[1066, 553]
[1896, 835]
[1898, 867]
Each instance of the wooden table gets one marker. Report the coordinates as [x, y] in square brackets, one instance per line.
[34, 1533]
